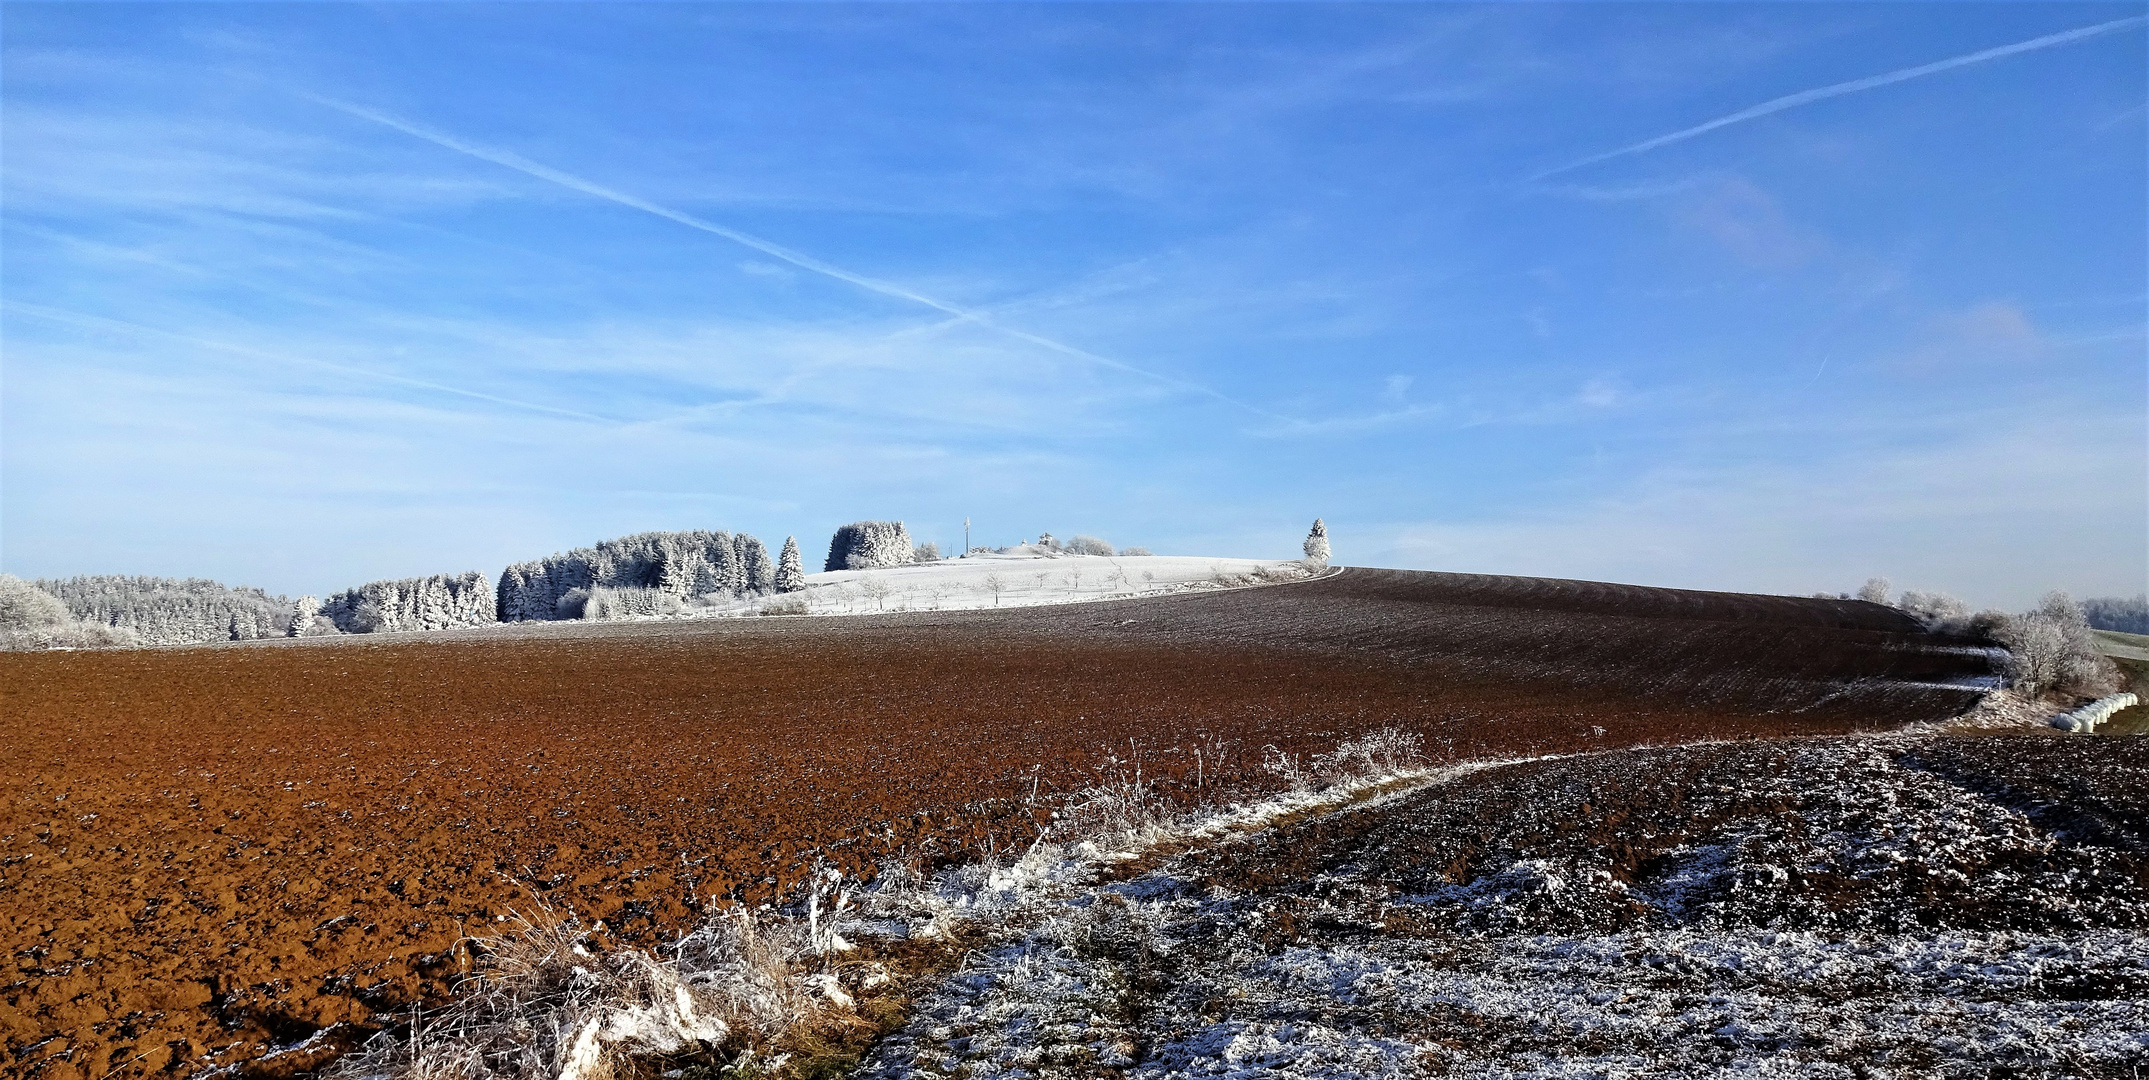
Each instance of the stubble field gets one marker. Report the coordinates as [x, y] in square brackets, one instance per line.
[207, 852]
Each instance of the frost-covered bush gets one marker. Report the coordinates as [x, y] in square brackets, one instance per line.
[1088, 545]
[692, 563]
[791, 571]
[24, 606]
[1874, 591]
[1316, 545]
[1136, 552]
[926, 552]
[315, 626]
[1935, 610]
[2051, 650]
[548, 1001]
[439, 602]
[571, 604]
[2125, 614]
[610, 603]
[172, 611]
[786, 604]
[869, 545]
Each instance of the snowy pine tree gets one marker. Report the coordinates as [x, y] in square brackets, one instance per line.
[1316, 545]
[790, 568]
[867, 545]
[681, 564]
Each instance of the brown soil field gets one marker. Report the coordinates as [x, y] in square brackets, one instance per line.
[208, 852]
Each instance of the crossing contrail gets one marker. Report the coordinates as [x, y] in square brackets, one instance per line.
[803, 261]
[1808, 97]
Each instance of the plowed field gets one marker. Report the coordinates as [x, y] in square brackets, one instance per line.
[205, 852]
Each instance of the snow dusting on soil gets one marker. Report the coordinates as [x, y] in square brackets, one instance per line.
[1878, 907]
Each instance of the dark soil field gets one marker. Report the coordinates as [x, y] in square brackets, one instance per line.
[206, 852]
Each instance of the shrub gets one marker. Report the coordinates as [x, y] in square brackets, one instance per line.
[1938, 611]
[788, 604]
[609, 603]
[1136, 552]
[1874, 591]
[572, 604]
[926, 552]
[1088, 545]
[24, 606]
[2051, 650]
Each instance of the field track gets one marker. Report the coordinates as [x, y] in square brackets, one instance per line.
[208, 851]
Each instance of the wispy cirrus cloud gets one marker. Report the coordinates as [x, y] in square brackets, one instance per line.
[1854, 86]
[803, 261]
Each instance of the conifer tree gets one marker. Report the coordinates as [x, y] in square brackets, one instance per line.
[1317, 543]
[790, 567]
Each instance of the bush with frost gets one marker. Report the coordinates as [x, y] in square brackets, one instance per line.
[24, 606]
[2051, 650]
[1874, 591]
[787, 604]
[1136, 552]
[572, 604]
[1088, 545]
[31, 618]
[609, 603]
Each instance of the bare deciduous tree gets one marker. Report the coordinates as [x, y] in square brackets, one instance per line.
[995, 584]
[878, 591]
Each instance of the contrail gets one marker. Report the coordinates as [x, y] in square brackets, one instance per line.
[1807, 97]
[796, 258]
[78, 319]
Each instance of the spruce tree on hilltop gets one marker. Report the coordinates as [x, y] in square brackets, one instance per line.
[1316, 546]
[790, 567]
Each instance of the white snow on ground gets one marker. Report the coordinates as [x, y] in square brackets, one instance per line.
[1026, 577]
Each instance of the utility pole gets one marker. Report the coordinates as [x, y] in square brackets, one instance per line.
[966, 538]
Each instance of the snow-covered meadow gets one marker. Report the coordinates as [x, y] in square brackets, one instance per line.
[1023, 577]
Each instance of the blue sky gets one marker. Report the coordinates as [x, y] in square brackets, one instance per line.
[306, 295]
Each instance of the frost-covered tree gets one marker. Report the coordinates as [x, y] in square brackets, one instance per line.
[439, 602]
[24, 606]
[1316, 545]
[790, 568]
[868, 545]
[1874, 591]
[1088, 545]
[682, 564]
[2125, 614]
[757, 574]
[926, 552]
[171, 611]
[2051, 649]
